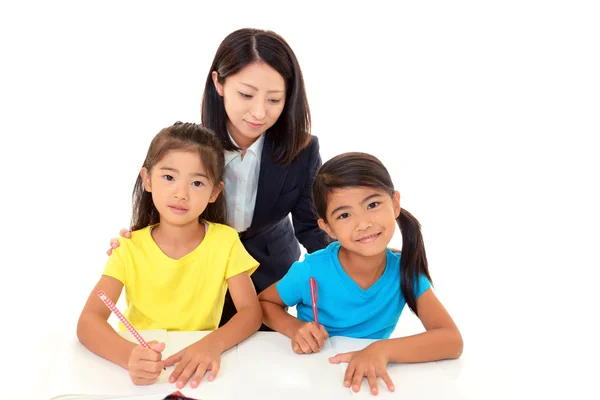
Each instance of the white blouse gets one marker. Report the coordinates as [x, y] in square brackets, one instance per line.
[241, 184]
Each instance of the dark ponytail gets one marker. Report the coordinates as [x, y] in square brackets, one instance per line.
[413, 262]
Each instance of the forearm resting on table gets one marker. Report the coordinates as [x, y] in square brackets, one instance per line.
[278, 319]
[433, 345]
[241, 326]
[100, 338]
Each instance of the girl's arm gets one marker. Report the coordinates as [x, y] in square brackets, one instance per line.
[275, 315]
[93, 330]
[442, 339]
[248, 318]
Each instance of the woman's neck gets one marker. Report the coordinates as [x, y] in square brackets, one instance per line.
[178, 240]
[364, 270]
[242, 142]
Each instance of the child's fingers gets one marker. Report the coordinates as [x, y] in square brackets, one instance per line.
[178, 370]
[198, 372]
[319, 338]
[296, 347]
[314, 337]
[175, 358]
[150, 355]
[342, 357]
[142, 381]
[324, 332]
[372, 379]
[158, 347]
[359, 374]
[151, 366]
[348, 375]
[304, 345]
[313, 345]
[142, 374]
[388, 381]
[216, 366]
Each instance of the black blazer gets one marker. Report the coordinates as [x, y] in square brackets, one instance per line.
[271, 239]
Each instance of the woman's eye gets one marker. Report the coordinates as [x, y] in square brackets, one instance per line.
[245, 96]
[275, 101]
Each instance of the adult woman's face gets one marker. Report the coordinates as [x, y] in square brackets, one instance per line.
[254, 99]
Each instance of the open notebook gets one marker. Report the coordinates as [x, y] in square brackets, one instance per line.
[262, 367]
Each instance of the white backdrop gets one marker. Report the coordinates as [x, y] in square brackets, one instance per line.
[484, 112]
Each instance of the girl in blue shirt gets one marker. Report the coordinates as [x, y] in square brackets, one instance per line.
[362, 285]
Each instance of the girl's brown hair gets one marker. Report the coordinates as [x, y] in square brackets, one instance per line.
[181, 137]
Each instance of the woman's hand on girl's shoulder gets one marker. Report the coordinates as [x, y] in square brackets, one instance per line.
[371, 362]
[114, 242]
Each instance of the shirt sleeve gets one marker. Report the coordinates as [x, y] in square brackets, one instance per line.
[115, 266]
[421, 285]
[239, 260]
[290, 286]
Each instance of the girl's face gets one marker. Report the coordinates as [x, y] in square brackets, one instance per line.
[254, 99]
[180, 187]
[362, 219]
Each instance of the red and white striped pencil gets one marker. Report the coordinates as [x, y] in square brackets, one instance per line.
[114, 309]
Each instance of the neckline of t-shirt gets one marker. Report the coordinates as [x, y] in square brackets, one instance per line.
[207, 227]
[371, 290]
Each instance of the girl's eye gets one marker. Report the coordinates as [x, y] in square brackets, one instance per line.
[168, 177]
[373, 204]
[343, 216]
[197, 184]
[245, 96]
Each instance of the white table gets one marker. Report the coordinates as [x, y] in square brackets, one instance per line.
[262, 367]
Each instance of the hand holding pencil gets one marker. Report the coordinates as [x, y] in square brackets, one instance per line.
[145, 361]
[310, 337]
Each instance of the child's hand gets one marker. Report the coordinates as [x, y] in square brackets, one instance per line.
[369, 362]
[195, 360]
[145, 364]
[114, 243]
[309, 338]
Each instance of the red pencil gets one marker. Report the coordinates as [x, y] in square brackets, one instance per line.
[314, 293]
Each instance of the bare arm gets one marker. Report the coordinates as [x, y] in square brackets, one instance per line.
[93, 330]
[442, 339]
[248, 318]
[275, 315]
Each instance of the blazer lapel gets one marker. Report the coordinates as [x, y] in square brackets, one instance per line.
[270, 180]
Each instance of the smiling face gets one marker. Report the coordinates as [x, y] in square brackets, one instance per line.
[181, 187]
[362, 219]
[254, 99]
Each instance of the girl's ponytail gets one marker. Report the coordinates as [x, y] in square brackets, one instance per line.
[413, 262]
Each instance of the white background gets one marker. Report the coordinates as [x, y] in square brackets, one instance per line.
[486, 114]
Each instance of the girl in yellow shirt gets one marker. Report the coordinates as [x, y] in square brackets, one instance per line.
[177, 266]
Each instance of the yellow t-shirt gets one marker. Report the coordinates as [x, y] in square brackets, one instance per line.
[179, 295]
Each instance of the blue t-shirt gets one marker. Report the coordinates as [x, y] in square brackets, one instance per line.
[345, 309]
